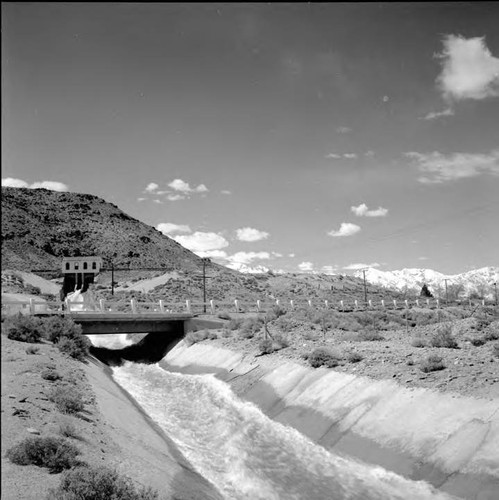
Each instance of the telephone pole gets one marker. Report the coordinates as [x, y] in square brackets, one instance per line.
[365, 286]
[446, 294]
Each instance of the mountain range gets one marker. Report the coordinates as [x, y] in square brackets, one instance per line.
[478, 283]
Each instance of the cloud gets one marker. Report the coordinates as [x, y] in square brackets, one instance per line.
[343, 130]
[291, 255]
[348, 156]
[141, 199]
[329, 269]
[469, 70]
[251, 234]
[438, 168]
[152, 186]
[226, 191]
[346, 229]
[363, 211]
[213, 254]
[157, 201]
[356, 267]
[15, 183]
[202, 242]
[369, 153]
[175, 197]
[306, 266]
[50, 185]
[247, 257]
[438, 114]
[184, 187]
[170, 228]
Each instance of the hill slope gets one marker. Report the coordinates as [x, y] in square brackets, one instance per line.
[39, 227]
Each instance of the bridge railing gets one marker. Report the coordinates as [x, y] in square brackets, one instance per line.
[34, 306]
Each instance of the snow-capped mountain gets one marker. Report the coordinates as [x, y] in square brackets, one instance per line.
[479, 282]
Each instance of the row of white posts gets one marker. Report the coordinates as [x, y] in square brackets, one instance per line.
[188, 305]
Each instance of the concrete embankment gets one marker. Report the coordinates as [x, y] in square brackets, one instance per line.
[445, 439]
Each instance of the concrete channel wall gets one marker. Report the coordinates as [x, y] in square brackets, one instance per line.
[448, 440]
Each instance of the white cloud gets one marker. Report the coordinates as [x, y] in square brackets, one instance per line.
[141, 199]
[201, 241]
[346, 229]
[469, 70]
[306, 266]
[184, 187]
[276, 254]
[333, 156]
[291, 255]
[50, 185]
[170, 228]
[350, 156]
[250, 234]
[422, 258]
[363, 211]
[438, 168]
[157, 201]
[175, 197]
[356, 267]
[226, 191]
[370, 153]
[438, 114]
[247, 257]
[213, 254]
[329, 269]
[343, 130]
[15, 183]
[152, 186]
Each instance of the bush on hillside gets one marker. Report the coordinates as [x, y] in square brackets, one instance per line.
[265, 346]
[369, 336]
[495, 350]
[50, 374]
[194, 337]
[280, 341]
[418, 342]
[32, 349]
[250, 327]
[56, 454]
[67, 399]
[444, 338]
[98, 483]
[323, 357]
[23, 328]
[432, 363]
[67, 336]
[354, 357]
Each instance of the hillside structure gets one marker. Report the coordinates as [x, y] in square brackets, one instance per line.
[79, 272]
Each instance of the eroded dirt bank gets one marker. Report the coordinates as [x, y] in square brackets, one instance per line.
[449, 440]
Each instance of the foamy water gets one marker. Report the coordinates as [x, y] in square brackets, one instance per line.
[242, 452]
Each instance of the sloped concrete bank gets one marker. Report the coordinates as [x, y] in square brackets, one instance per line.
[445, 439]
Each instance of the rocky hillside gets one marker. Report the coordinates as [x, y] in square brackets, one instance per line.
[39, 227]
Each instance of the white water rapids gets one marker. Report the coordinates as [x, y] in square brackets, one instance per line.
[242, 452]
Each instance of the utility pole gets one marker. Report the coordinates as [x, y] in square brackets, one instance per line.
[446, 294]
[205, 261]
[365, 286]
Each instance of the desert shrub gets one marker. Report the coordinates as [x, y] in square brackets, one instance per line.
[323, 357]
[225, 332]
[369, 335]
[75, 347]
[280, 341]
[265, 346]
[56, 327]
[32, 349]
[275, 312]
[444, 338]
[194, 337]
[354, 357]
[23, 328]
[495, 350]
[492, 331]
[235, 323]
[310, 335]
[349, 324]
[98, 483]
[224, 315]
[50, 374]
[284, 324]
[67, 399]
[432, 363]
[68, 429]
[418, 342]
[477, 341]
[249, 327]
[54, 453]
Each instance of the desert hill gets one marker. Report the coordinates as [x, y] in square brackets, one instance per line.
[39, 227]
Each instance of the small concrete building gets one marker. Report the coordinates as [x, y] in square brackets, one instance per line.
[79, 272]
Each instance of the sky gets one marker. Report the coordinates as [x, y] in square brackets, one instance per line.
[299, 137]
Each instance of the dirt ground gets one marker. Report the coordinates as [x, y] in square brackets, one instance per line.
[469, 370]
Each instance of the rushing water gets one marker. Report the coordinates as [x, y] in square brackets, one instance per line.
[243, 453]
